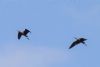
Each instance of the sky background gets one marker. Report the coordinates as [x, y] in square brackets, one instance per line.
[53, 25]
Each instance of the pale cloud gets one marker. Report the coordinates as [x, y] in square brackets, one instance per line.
[30, 56]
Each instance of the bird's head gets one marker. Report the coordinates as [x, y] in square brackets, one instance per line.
[83, 39]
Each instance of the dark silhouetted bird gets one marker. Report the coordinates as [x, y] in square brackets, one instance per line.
[24, 33]
[78, 41]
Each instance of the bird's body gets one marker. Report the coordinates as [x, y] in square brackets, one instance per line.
[24, 33]
[78, 41]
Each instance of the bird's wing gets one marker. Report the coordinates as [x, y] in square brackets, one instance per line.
[26, 31]
[73, 44]
[19, 35]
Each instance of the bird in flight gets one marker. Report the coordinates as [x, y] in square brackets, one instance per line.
[24, 33]
[78, 41]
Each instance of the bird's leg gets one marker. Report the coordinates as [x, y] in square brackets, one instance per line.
[84, 43]
[27, 37]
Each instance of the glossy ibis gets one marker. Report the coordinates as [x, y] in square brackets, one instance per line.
[24, 33]
[78, 41]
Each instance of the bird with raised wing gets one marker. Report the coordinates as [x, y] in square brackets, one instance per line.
[78, 41]
[24, 33]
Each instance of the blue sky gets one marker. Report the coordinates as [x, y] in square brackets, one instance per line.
[54, 24]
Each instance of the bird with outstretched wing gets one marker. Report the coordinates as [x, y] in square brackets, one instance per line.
[24, 33]
[78, 41]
